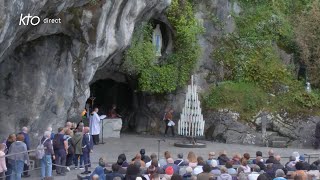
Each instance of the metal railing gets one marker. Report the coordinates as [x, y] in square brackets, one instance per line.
[32, 162]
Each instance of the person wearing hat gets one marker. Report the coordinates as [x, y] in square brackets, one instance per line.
[175, 167]
[306, 165]
[169, 172]
[144, 157]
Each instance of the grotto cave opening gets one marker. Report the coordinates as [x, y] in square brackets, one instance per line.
[108, 92]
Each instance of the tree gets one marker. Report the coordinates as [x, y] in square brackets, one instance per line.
[307, 32]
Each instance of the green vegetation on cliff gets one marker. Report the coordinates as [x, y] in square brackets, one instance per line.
[168, 73]
[258, 78]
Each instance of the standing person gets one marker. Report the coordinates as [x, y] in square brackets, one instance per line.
[95, 126]
[51, 133]
[169, 122]
[18, 149]
[11, 139]
[60, 147]
[68, 125]
[87, 145]
[3, 167]
[77, 138]
[46, 161]
[24, 132]
[71, 144]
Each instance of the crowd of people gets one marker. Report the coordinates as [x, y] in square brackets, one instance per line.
[71, 146]
[237, 167]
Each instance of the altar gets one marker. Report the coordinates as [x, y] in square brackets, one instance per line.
[111, 127]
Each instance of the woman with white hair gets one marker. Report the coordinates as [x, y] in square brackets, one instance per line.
[46, 161]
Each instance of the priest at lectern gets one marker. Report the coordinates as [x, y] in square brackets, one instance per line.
[95, 125]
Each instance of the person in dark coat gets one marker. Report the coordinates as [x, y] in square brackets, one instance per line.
[10, 140]
[260, 163]
[271, 157]
[306, 165]
[60, 147]
[144, 157]
[87, 146]
[133, 172]
[115, 172]
[121, 169]
[317, 136]
[124, 160]
[223, 159]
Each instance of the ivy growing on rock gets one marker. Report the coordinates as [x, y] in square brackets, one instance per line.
[175, 70]
[251, 60]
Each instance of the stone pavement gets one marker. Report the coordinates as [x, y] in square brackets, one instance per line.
[131, 144]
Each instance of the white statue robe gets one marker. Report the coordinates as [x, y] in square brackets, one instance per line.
[94, 124]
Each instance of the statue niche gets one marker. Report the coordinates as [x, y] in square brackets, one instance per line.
[157, 40]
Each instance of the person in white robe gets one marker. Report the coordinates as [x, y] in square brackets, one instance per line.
[95, 126]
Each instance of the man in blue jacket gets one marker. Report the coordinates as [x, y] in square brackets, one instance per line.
[24, 132]
[87, 146]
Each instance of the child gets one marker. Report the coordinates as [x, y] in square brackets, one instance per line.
[3, 167]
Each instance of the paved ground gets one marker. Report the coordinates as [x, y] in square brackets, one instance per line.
[131, 144]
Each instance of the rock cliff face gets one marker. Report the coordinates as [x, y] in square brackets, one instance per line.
[45, 70]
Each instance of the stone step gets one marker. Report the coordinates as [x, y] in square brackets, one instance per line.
[272, 133]
[278, 138]
[279, 144]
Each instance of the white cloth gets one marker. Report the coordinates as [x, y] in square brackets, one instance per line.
[197, 170]
[253, 176]
[94, 124]
[171, 123]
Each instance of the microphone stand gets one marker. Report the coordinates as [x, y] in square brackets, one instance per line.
[159, 140]
[102, 131]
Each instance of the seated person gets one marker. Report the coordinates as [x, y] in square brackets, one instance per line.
[99, 170]
[211, 157]
[124, 160]
[224, 174]
[180, 161]
[138, 159]
[258, 154]
[230, 168]
[299, 171]
[175, 167]
[280, 175]
[223, 159]
[215, 170]
[236, 159]
[291, 165]
[114, 173]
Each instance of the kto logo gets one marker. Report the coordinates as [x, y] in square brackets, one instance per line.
[25, 20]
